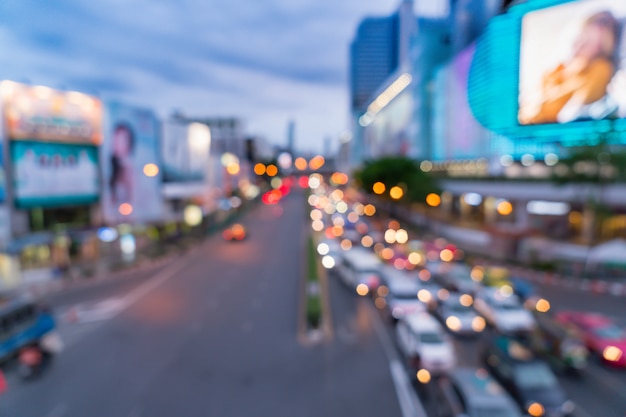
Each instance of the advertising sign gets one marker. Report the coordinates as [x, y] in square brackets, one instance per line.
[185, 151]
[130, 165]
[41, 113]
[573, 63]
[54, 174]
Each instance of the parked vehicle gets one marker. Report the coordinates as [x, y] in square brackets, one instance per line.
[467, 392]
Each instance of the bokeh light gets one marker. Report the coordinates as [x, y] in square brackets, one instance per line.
[259, 169]
[362, 290]
[402, 236]
[543, 305]
[446, 255]
[300, 164]
[346, 244]
[125, 209]
[504, 208]
[323, 248]
[386, 254]
[369, 210]
[390, 236]
[423, 376]
[378, 188]
[271, 170]
[150, 170]
[433, 200]
[396, 192]
[367, 241]
[328, 262]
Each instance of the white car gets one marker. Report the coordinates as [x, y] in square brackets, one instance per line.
[504, 311]
[424, 344]
[360, 269]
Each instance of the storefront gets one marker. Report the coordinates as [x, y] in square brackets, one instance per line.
[51, 145]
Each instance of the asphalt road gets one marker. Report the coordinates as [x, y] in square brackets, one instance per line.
[213, 333]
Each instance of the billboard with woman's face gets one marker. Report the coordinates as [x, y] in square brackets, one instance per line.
[573, 63]
[130, 166]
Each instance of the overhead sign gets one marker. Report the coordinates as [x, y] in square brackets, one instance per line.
[44, 114]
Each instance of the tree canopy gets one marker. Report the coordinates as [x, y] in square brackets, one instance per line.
[397, 171]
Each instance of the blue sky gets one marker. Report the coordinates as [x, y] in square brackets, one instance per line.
[264, 61]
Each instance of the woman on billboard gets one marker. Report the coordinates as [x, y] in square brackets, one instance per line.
[121, 181]
[577, 88]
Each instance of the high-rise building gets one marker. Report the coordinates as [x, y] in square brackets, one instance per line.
[291, 136]
[373, 57]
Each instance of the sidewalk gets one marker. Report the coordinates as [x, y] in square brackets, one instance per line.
[115, 267]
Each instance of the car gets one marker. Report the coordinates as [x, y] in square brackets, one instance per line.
[360, 270]
[529, 380]
[458, 277]
[235, 232]
[457, 314]
[504, 311]
[401, 293]
[557, 344]
[601, 335]
[424, 344]
[497, 276]
[472, 392]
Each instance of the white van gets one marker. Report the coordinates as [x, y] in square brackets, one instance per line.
[360, 266]
[425, 344]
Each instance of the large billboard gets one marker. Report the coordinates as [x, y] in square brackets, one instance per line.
[42, 113]
[54, 174]
[130, 163]
[185, 152]
[573, 63]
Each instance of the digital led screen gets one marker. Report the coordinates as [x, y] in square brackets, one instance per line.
[573, 63]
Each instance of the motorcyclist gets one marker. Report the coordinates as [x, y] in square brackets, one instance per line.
[31, 361]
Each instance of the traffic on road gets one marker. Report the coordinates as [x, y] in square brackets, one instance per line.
[460, 325]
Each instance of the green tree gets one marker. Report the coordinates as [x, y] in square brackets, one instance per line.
[397, 171]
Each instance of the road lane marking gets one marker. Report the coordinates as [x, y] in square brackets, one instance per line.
[110, 308]
[403, 390]
[410, 405]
